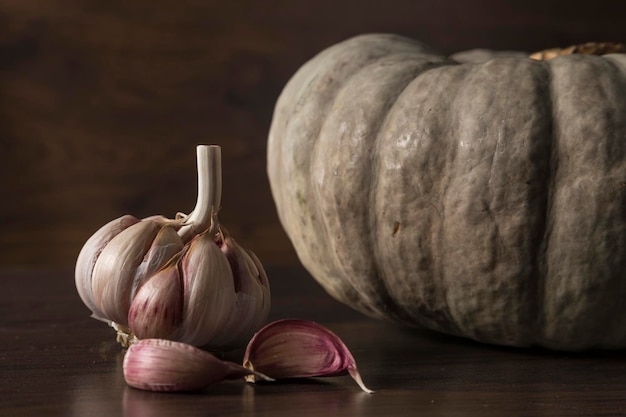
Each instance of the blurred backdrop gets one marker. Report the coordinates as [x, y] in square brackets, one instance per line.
[102, 102]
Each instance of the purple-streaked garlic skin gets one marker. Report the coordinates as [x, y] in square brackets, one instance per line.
[252, 290]
[89, 254]
[293, 348]
[156, 311]
[115, 269]
[165, 365]
[226, 297]
[165, 246]
[208, 291]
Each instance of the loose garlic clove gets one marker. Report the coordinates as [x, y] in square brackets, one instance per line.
[294, 348]
[164, 365]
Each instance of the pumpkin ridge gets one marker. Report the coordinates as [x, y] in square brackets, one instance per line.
[460, 299]
[373, 221]
[591, 261]
[378, 294]
[414, 272]
[295, 100]
[490, 227]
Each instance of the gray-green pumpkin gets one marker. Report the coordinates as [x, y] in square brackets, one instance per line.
[480, 199]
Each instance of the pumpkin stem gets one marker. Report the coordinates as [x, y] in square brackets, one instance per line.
[589, 48]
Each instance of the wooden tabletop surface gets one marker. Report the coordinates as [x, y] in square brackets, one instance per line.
[56, 361]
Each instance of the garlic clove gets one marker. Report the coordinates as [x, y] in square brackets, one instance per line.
[164, 365]
[115, 269]
[88, 256]
[157, 308]
[248, 272]
[293, 348]
[165, 245]
[252, 292]
[208, 293]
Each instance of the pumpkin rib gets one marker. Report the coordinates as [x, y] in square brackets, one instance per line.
[490, 220]
[339, 135]
[302, 129]
[302, 104]
[561, 314]
[398, 310]
[404, 144]
[586, 265]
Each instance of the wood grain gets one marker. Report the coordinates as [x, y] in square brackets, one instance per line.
[56, 361]
[103, 102]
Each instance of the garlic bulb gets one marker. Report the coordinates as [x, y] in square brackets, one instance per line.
[183, 279]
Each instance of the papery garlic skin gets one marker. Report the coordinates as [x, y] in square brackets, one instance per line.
[165, 246]
[89, 254]
[156, 310]
[183, 279]
[116, 267]
[252, 302]
[209, 291]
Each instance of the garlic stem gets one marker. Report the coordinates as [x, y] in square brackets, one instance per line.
[209, 159]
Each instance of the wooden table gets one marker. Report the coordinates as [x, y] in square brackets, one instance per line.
[56, 361]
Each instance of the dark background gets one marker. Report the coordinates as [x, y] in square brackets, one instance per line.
[102, 102]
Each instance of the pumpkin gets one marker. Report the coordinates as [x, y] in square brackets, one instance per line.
[482, 199]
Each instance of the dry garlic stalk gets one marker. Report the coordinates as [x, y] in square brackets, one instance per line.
[182, 279]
